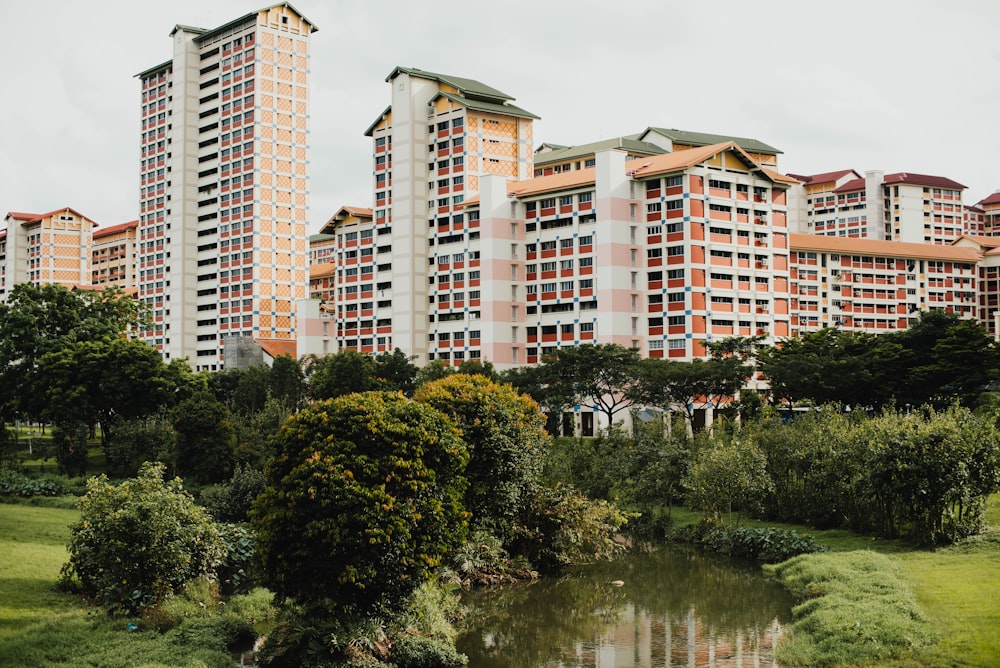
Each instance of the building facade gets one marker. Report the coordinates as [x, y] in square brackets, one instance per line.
[113, 257]
[222, 242]
[40, 248]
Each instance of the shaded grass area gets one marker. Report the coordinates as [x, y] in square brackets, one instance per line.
[41, 626]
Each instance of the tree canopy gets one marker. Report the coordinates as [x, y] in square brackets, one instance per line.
[364, 497]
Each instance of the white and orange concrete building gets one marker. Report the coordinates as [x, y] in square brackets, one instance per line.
[224, 184]
[40, 248]
[113, 256]
[913, 208]
[876, 286]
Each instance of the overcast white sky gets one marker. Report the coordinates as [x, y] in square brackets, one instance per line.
[896, 85]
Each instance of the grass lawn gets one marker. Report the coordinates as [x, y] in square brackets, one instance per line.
[32, 550]
[957, 588]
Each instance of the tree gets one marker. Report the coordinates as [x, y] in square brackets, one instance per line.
[35, 320]
[727, 476]
[139, 541]
[205, 439]
[251, 391]
[287, 382]
[825, 366]
[102, 381]
[396, 372]
[505, 433]
[343, 373]
[435, 370]
[363, 500]
[595, 376]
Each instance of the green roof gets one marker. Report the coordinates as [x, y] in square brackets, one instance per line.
[627, 143]
[490, 107]
[157, 68]
[706, 139]
[371, 128]
[468, 87]
[245, 17]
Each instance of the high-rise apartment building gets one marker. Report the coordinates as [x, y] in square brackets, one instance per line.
[907, 207]
[431, 146]
[222, 241]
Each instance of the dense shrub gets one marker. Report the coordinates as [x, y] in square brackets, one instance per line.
[232, 501]
[412, 651]
[507, 441]
[235, 571]
[562, 527]
[727, 476]
[20, 485]
[138, 541]
[363, 501]
[766, 545]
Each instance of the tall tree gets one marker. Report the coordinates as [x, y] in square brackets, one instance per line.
[595, 376]
[344, 372]
[102, 380]
[507, 442]
[396, 372]
[287, 382]
[36, 320]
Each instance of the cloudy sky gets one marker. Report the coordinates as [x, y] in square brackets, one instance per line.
[896, 85]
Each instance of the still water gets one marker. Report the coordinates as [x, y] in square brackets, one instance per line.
[676, 608]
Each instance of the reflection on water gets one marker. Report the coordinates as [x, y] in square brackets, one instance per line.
[677, 608]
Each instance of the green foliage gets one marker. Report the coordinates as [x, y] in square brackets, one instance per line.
[287, 382]
[100, 381]
[923, 475]
[640, 471]
[766, 545]
[344, 372]
[592, 376]
[855, 610]
[481, 561]
[235, 571]
[507, 444]
[231, 502]
[563, 527]
[363, 500]
[137, 441]
[36, 320]
[69, 440]
[205, 439]
[138, 541]
[396, 372]
[813, 461]
[13, 483]
[412, 651]
[727, 476]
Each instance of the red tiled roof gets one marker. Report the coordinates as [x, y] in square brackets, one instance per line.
[851, 186]
[921, 180]
[862, 246]
[992, 199]
[825, 177]
[114, 229]
[277, 347]
[26, 218]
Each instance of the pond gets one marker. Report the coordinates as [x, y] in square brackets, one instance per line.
[676, 608]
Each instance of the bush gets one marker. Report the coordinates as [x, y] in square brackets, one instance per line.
[20, 485]
[727, 476]
[137, 542]
[410, 651]
[507, 441]
[563, 527]
[231, 502]
[766, 545]
[363, 502]
[235, 570]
